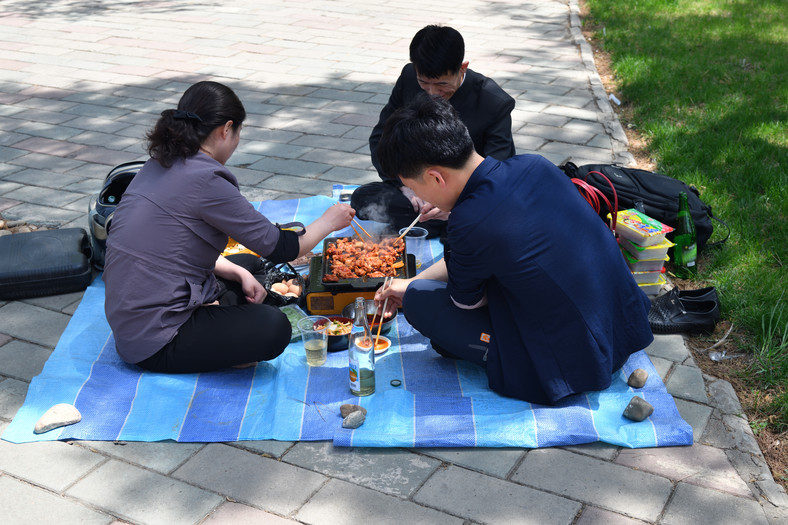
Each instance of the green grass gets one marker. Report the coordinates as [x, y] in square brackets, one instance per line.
[707, 83]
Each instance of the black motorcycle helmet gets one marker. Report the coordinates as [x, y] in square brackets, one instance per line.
[102, 206]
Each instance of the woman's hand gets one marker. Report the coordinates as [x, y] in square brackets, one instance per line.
[335, 218]
[253, 290]
[338, 216]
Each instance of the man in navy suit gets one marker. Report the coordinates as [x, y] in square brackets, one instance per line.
[509, 298]
[437, 67]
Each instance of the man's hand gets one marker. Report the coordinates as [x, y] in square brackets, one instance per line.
[427, 210]
[430, 212]
[416, 202]
[393, 293]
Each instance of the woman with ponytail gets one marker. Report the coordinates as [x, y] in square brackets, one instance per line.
[174, 303]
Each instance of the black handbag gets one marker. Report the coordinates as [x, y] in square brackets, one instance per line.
[276, 273]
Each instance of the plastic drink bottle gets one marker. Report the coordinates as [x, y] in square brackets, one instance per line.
[685, 252]
[361, 353]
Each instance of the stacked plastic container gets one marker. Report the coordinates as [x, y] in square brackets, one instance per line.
[645, 248]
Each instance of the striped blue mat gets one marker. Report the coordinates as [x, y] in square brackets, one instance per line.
[440, 403]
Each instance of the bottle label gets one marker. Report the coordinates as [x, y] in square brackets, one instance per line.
[355, 377]
[690, 253]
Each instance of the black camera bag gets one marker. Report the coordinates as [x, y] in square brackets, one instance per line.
[654, 194]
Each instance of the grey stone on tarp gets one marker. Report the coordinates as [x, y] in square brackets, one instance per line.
[348, 409]
[59, 415]
[637, 378]
[638, 409]
[354, 419]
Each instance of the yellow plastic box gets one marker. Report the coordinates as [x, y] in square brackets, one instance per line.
[643, 265]
[644, 253]
[647, 277]
[653, 288]
[641, 229]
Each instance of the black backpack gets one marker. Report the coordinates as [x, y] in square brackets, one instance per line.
[101, 207]
[654, 194]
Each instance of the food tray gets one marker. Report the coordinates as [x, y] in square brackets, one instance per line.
[653, 288]
[640, 228]
[364, 283]
[643, 253]
[646, 277]
[643, 265]
[294, 314]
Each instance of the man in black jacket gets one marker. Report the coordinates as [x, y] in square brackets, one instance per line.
[437, 67]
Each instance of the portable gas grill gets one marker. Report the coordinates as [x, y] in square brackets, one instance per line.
[329, 298]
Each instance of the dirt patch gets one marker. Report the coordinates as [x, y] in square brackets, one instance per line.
[735, 371]
[8, 227]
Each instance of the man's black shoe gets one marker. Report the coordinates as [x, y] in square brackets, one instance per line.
[675, 313]
[701, 294]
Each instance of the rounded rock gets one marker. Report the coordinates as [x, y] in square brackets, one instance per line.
[638, 409]
[637, 379]
[348, 409]
[354, 420]
[59, 415]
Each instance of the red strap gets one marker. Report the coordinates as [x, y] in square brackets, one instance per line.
[592, 195]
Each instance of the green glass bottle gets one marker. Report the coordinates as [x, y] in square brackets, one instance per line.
[685, 252]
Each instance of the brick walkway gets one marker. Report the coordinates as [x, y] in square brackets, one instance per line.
[81, 82]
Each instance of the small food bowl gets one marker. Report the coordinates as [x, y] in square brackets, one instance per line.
[337, 341]
[384, 343]
[370, 306]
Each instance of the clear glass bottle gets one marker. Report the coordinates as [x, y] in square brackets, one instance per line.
[361, 355]
[685, 252]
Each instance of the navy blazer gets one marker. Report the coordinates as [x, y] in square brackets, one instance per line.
[485, 109]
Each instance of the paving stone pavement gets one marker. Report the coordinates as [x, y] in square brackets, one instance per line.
[81, 82]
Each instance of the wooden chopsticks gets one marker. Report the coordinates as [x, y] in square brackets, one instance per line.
[403, 234]
[362, 228]
[357, 233]
[354, 221]
[386, 283]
